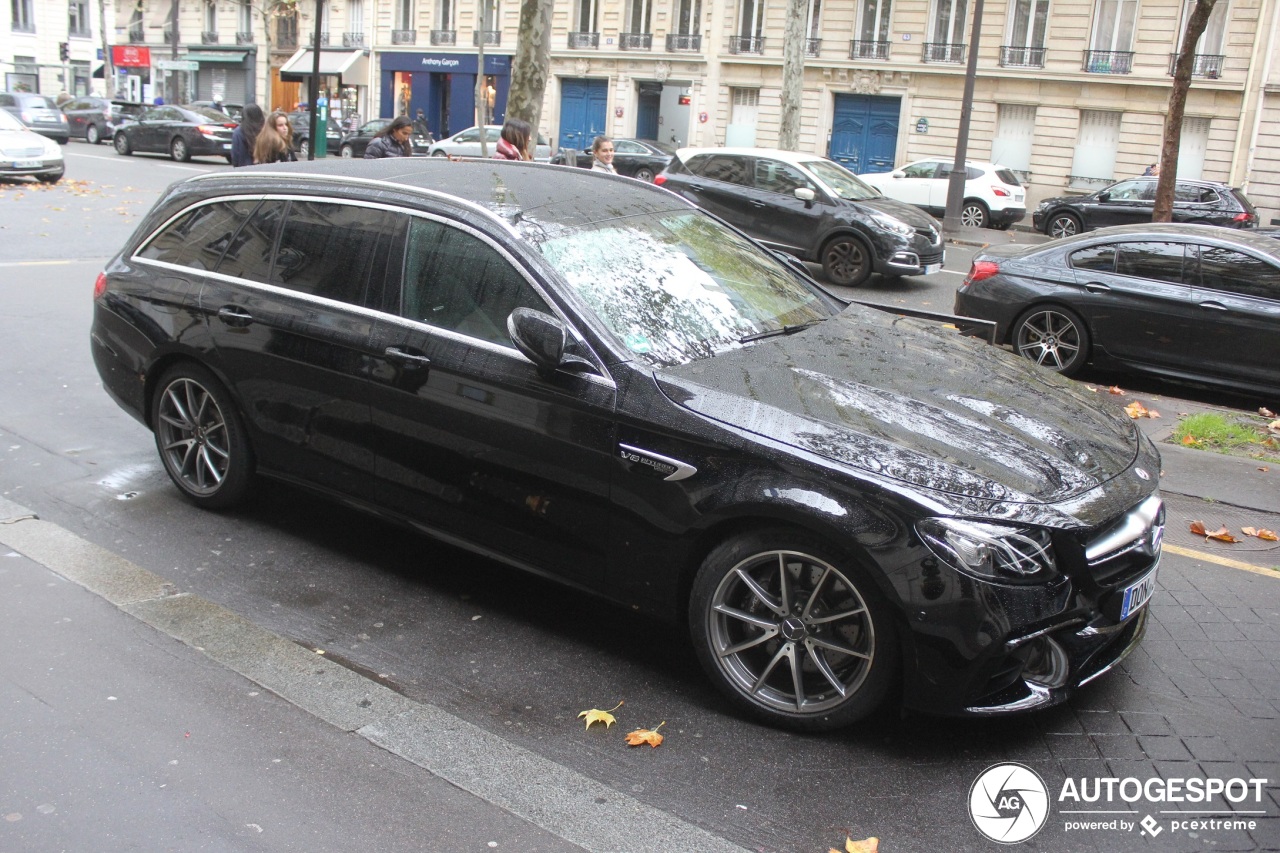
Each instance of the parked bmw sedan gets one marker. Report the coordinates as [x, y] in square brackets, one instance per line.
[636, 158]
[180, 132]
[588, 377]
[811, 207]
[1187, 302]
[1133, 201]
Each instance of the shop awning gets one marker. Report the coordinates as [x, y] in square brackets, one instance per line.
[351, 64]
[220, 56]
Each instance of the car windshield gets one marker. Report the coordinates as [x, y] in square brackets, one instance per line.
[842, 182]
[679, 286]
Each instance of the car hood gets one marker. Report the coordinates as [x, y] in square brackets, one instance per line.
[17, 144]
[908, 213]
[1067, 199]
[916, 403]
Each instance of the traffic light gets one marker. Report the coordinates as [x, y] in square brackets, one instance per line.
[64, 51]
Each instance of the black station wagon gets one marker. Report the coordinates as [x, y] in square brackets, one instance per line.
[588, 377]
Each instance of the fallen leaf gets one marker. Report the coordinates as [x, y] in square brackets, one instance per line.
[1197, 527]
[1265, 412]
[649, 736]
[866, 845]
[1116, 389]
[1262, 533]
[1263, 468]
[1137, 410]
[1275, 425]
[1190, 440]
[1221, 534]
[595, 715]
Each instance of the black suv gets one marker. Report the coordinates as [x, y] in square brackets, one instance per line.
[1133, 201]
[96, 119]
[809, 206]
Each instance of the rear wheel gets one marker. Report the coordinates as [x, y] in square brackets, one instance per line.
[644, 173]
[1052, 337]
[178, 150]
[121, 143]
[846, 261]
[91, 134]
[348, 152]
[438, 153]
[200, 437]
[974, 214]
[1062, 225]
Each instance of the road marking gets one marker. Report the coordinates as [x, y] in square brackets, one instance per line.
[53, 263]
[1222, 561]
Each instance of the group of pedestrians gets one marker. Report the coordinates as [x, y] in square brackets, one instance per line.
[517, 141]
[261, 138]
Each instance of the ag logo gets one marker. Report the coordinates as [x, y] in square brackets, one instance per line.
[1008, 803]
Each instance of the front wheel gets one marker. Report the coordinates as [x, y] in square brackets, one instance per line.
[347, 152]
[644, 174]
[438, 153]
[792, 633]
[91, 134]
[121, 143]
[178, 150]
[1052, 337]
[974, 215]
[200, 437]
[846, 261]
[1062, 225]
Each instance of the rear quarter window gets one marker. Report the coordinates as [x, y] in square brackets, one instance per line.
[1095, 258]
[1008, 177]
[198, 238]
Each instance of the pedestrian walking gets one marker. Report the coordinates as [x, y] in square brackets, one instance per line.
[392, 140]
[420, 126]
[515, 141]
[275, 141]
[602, 155]
[1152, 171]
[246, 134]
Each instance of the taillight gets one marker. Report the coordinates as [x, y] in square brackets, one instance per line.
[26, 117]
[100, 285]
[1001, 191]
[1245, 217]
[660, 180]
[979, 271]
[209, 129]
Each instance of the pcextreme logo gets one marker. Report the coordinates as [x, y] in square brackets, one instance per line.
[1009, 803]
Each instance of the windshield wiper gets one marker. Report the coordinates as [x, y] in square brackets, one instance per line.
[784, 330]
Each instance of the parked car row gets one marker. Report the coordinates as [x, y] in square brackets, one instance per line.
[636, 158]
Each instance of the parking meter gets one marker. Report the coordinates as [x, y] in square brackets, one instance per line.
[321, 143]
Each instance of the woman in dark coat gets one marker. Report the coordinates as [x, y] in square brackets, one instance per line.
[245, 134]
[392, 140]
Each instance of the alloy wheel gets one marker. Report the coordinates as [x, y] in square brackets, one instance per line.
[193, 437]
[1051, 339]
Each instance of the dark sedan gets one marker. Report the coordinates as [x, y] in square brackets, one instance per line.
[1133, 201]
[636, 158]
[354, 143]
[181, 132]
[589, 378]
[1186, 302]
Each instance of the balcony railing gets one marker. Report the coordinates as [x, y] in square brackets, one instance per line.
[324, 39]
[812, 47]
[244, 37]
[868, 49]
[746, 44]
[1206, 65]
[684, 41]
[1022, 57]
[491, 38]
[1108, 61]
[444, 37]
[208, 37]
[936, 51]
[353, 39]
[404, 36]
[137, 35]
[287, 41]
[580, 41]
[635, 41]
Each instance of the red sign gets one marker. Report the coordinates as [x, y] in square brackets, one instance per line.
[130, 56]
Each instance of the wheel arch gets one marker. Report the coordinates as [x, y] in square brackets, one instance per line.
[1047, 302]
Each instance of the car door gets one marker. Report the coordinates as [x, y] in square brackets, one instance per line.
[719, 183]
[1138, 304]
[1237, 298]
[780, 218]
[150, 131]
[473, 444]
[1124, 203]
[286, 310]
[918, 184]
[1192, 203]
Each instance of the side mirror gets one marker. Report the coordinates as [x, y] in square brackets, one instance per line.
[543, 339]
[897, 173]
[805, 194]
[1104, 196]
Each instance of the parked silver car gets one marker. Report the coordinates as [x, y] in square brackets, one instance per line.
[466, 143]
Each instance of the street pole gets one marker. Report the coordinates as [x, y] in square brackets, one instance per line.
[313, 85]
[482, 103]
[955, 188]
[108, 66]
[173, 21]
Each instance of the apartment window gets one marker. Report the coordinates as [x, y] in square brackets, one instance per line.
[1094, 160]
[1015, 130]
[688, 17]
[444, 15]
[1212, 39]
[23, 19]
[946, 34]
[25, 76]
[78, 18]
[404, 15]
[1026, 27]
[245, 18]
[751, 19]
[638, 16]
[586, 17]
[873, 25]
[742, 120]
[1113, 25]
[210, 18]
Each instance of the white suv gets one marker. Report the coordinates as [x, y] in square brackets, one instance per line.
[993, 196]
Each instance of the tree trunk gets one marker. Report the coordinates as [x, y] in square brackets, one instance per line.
[532, 63]
[1177, 108]
[793, 44]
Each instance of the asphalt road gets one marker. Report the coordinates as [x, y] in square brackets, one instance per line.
[518, 657]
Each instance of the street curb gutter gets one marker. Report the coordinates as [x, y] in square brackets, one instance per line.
[549, 795]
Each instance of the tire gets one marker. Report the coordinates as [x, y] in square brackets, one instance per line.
[974, 214]
[200, 437]
[50, 179]
[846, 261]
[121, 143]
[1062, 225]
[644, 173]
[1003, 226]
[92, 135]
[347, 152]
[64, 140]
[758, 636]
[438, 153]
[1052, 337]
[179, 150]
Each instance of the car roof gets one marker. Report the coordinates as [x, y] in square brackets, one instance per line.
[795, 158]
[1165, 230]
[514, 191]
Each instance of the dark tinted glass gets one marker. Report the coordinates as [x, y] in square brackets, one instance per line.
[778, 177]
[249, 253]
[198, 238]
[1096, 258]
[1236, 272]
[1008, 177]
[723, 167]
[328, 249]
[1159, 261]
[458, 282]
[1193, 194]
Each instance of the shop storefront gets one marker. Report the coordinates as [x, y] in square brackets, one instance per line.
[343, 76]
[132, 66]
[443, 86]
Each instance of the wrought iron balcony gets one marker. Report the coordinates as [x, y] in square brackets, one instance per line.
[684, 41]
[635, 41]
[746, 44]
[137, 35]
[244, 37]
[868, 49]
[444, 37]
[324, 39]
[287, 41]
[579, 41]
[404, 36]
[1022, 57]
[937, 51]
[812, 47]
[491, 38]
[1206, 65]
[208, 37]
[353, 39]
[1108, 61]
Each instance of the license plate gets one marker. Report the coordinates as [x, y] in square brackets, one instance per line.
[226, 146]
[1017, 196]
[1137, 595]
[929, 269]
[27, 164]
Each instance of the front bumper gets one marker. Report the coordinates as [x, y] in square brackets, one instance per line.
[1008, 216]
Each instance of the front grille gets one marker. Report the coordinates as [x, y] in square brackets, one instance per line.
[927, 258]
[1129, 546]
[930, 234]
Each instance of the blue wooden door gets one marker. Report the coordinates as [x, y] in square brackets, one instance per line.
[647, 115]
[864, 132]
[582, 111]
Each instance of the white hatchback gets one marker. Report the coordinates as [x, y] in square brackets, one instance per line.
[993, 195]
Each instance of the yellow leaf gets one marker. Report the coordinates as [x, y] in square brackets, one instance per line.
[1137, 410]
[595, 715]
[1265, 412]
[866, 845]
[1262, 533]
[649, 736]
[1190, 440]
[1117, 390]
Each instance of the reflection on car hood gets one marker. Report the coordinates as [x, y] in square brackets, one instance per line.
[917, 403]
[908, 213]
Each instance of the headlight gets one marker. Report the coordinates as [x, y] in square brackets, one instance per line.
[897, 226]
[990, 551]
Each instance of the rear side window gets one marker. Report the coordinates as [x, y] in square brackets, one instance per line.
[722, 167]
[1095, 258]
[1235, 272]
[327, 249]
[1008, 177]
[1159, 261]
[248, 254]
[198, 238]
[1192, 194]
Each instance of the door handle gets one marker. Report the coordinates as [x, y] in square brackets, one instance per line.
[1216, 306]
[234, 316]
[758, 204]
[1097, 287]
[407, 360]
